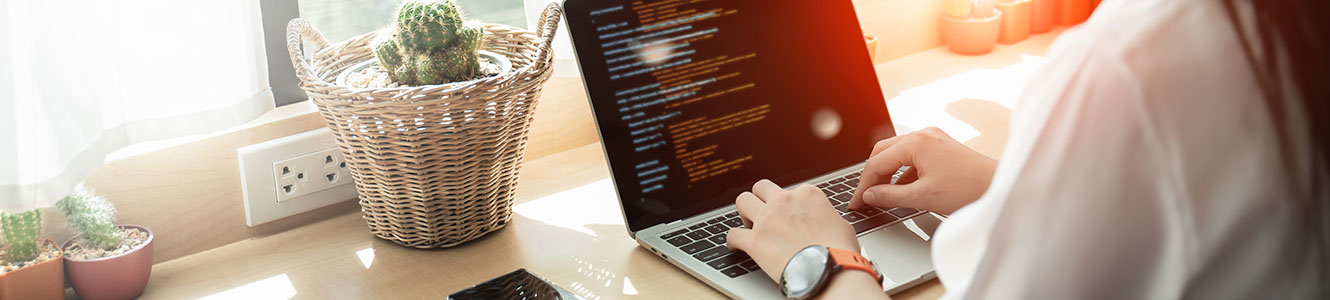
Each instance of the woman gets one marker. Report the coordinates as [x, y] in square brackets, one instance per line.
[1164, 151]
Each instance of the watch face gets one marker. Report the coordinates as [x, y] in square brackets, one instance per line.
[803, 273]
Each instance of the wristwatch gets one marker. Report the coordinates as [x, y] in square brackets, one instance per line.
[809, 271]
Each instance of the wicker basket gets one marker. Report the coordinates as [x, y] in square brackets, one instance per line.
[435, 165]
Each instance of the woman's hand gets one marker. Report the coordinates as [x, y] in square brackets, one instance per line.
[944, 174]
[785, 221]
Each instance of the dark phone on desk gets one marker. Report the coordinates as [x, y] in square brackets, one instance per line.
[519, 284]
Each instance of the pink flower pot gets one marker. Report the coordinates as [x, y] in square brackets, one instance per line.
[971, 36]
[1041, 17]
[121, 276]
[1015, 21]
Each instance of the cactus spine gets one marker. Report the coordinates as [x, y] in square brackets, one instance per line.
[965, 9]
[430, 44]
[93, 216]
[20, 231]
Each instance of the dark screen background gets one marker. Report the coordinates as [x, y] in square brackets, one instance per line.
[809, 56]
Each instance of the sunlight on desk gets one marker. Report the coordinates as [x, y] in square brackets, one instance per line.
[591, 204]
[590, 209]
[366, 257]
[628, 288]
[926, 106]
[276, 287]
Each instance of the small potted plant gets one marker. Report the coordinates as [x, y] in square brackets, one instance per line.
[1016, 17]
[105, 260]
[970, 26]
[32, 268]
[1074, 11]
[871, 41]
[1041, 16]
[433, 127]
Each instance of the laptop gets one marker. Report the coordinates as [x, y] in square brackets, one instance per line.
[695, 101]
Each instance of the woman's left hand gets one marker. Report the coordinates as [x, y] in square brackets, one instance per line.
[781, 222]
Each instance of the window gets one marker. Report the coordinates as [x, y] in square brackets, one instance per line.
[343, 19]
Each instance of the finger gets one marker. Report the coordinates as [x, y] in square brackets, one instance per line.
[909, 176]
[884, 144]
[739, 239]
[879, 169]
[766, 190]
[750, 208]
[895, 195]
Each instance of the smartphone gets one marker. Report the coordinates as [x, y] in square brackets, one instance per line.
[520, 284]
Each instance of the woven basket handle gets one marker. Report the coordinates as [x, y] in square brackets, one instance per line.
[295, 31]
[549, 25]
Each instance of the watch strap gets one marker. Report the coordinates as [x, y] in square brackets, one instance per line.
[850, 260]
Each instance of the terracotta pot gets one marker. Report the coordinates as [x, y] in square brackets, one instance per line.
[872, 47]
[122, 276]
[1074, 12]
[1041, 16]
[971, 36]
[1016, 17]
[45, 280]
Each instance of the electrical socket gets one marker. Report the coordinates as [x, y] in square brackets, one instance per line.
[309, 173]
[293, 174]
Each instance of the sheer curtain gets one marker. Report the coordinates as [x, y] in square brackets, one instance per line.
[79, 79]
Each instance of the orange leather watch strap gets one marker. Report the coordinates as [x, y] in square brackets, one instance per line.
[850, 260]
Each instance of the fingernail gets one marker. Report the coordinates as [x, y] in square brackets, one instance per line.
[870, 196]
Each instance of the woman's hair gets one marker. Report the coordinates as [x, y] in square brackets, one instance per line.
[1290, 49]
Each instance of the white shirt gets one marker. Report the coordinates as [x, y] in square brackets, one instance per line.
[1142, 164]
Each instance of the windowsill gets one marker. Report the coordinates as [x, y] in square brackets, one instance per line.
[291, 111]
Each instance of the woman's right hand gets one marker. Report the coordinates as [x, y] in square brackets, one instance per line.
[944, 174]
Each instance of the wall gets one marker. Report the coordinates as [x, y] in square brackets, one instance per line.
[190, 194]
[902, 27]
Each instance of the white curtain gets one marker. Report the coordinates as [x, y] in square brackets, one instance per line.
[80, 79]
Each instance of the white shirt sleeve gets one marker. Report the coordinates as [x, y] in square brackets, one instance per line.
[1142, 163]
[1074, 208]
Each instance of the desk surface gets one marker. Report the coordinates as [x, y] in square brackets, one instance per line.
[588, 252]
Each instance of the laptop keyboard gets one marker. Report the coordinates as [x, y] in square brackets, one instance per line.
[705, 241]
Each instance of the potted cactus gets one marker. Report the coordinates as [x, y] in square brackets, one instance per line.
[1072, 12]
[32, 268]
[1041, 15]
[970, 26]
[1016, 17]
[105, 260]
[432, 127]
[871, 41]
[428, 43]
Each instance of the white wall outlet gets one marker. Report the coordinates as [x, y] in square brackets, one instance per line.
[293, 174]
[309, 173]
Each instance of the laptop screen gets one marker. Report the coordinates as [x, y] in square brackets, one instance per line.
[697, 100]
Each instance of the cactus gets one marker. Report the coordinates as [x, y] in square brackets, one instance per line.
[958, 9]
[20, 231]
[965, 9]
[93, 216]
[430, 44]
[983, 8]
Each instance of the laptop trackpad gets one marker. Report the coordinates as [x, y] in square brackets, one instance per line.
[901, 251]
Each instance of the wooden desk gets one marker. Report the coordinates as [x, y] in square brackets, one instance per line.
[567, 226]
